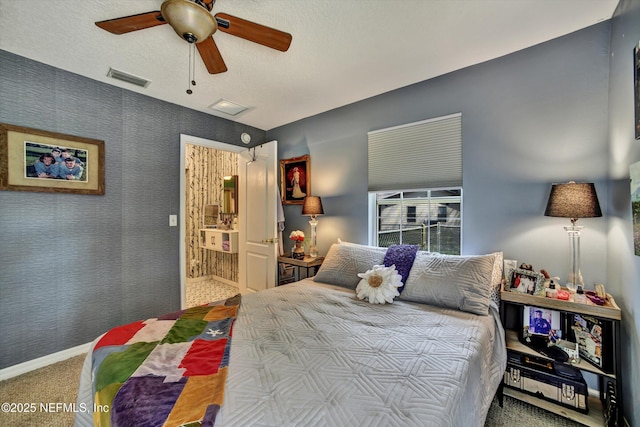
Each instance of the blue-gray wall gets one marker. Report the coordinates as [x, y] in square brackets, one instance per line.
[530, 119]
[624, 267]
[73, 266]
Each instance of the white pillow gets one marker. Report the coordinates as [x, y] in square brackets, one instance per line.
[459, 282]
[379, 285]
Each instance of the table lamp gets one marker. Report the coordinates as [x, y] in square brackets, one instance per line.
[312, 206]
[573, 200]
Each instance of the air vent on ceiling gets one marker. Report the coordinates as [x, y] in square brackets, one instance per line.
[129, 78]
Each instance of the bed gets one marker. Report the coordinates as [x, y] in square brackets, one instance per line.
[313, 353]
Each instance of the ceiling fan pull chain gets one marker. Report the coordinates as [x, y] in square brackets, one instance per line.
[193, 63]
[191, 79]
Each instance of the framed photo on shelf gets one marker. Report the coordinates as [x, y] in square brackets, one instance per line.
[542, 322]
[592, 336]
[37, 160]
[295, 180]
[526, 282]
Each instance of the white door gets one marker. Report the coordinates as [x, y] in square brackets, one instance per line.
[257, 172]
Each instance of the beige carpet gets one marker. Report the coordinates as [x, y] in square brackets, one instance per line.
[47, 389]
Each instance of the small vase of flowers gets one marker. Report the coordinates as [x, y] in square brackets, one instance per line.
[298, 251]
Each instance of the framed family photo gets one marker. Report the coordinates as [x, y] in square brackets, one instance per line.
[295, 180]
[527, 282]
[37, 160]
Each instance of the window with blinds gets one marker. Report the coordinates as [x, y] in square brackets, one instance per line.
[425, 154]
[415, 185]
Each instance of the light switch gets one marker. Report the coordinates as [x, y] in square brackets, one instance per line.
[173, 220]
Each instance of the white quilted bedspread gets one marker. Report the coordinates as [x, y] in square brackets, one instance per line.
[308, 354]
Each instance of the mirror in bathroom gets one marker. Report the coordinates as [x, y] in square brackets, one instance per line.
[230, 195]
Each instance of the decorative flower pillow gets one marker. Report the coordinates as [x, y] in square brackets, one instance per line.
[379, 285]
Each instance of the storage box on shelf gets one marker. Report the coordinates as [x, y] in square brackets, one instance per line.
[602, 409]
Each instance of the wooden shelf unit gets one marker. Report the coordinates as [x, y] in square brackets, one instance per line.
[607, 313]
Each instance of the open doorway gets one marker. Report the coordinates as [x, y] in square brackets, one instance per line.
[205, 275]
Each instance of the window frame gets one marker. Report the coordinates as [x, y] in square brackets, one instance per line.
[373, 222]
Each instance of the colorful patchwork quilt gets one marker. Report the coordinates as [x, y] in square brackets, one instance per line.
[169, 370]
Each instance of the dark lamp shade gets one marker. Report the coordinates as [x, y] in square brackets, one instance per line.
[312, 206]
[573, 200]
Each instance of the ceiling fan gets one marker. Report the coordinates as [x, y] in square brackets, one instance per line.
[192, 21]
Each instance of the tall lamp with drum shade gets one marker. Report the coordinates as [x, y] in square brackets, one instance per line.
[312, 206]
[573, 200]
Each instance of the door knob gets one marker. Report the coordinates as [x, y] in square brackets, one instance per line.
[271, 240]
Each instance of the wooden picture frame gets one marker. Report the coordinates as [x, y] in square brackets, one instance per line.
[634, 173]
[38, 160]
[594, 336]
[636, 88]
[295, 180]
[527, 282]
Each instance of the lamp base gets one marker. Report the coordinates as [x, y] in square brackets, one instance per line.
[575, 277]
[313, 249]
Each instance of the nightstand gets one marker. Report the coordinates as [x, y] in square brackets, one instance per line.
[605, 363]
[310, 265]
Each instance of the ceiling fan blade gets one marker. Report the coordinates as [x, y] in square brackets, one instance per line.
[126, 24]
[251, 31]
[211, 56]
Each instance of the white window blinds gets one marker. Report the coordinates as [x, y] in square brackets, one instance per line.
[425, 154]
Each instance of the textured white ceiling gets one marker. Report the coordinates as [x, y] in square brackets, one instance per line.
[342, 50]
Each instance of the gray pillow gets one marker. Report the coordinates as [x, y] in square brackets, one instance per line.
[345, 260]
[459, 282]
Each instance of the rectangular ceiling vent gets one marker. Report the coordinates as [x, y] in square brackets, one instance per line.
[129, 78]
[227, 107]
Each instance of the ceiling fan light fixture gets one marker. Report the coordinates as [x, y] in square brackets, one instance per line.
[227, 107]
[189, 20]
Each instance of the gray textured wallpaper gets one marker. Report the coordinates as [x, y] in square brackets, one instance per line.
[73, 266]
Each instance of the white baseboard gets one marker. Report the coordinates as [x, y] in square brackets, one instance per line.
[41, 362]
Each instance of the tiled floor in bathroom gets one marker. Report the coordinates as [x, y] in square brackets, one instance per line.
[206, 291]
